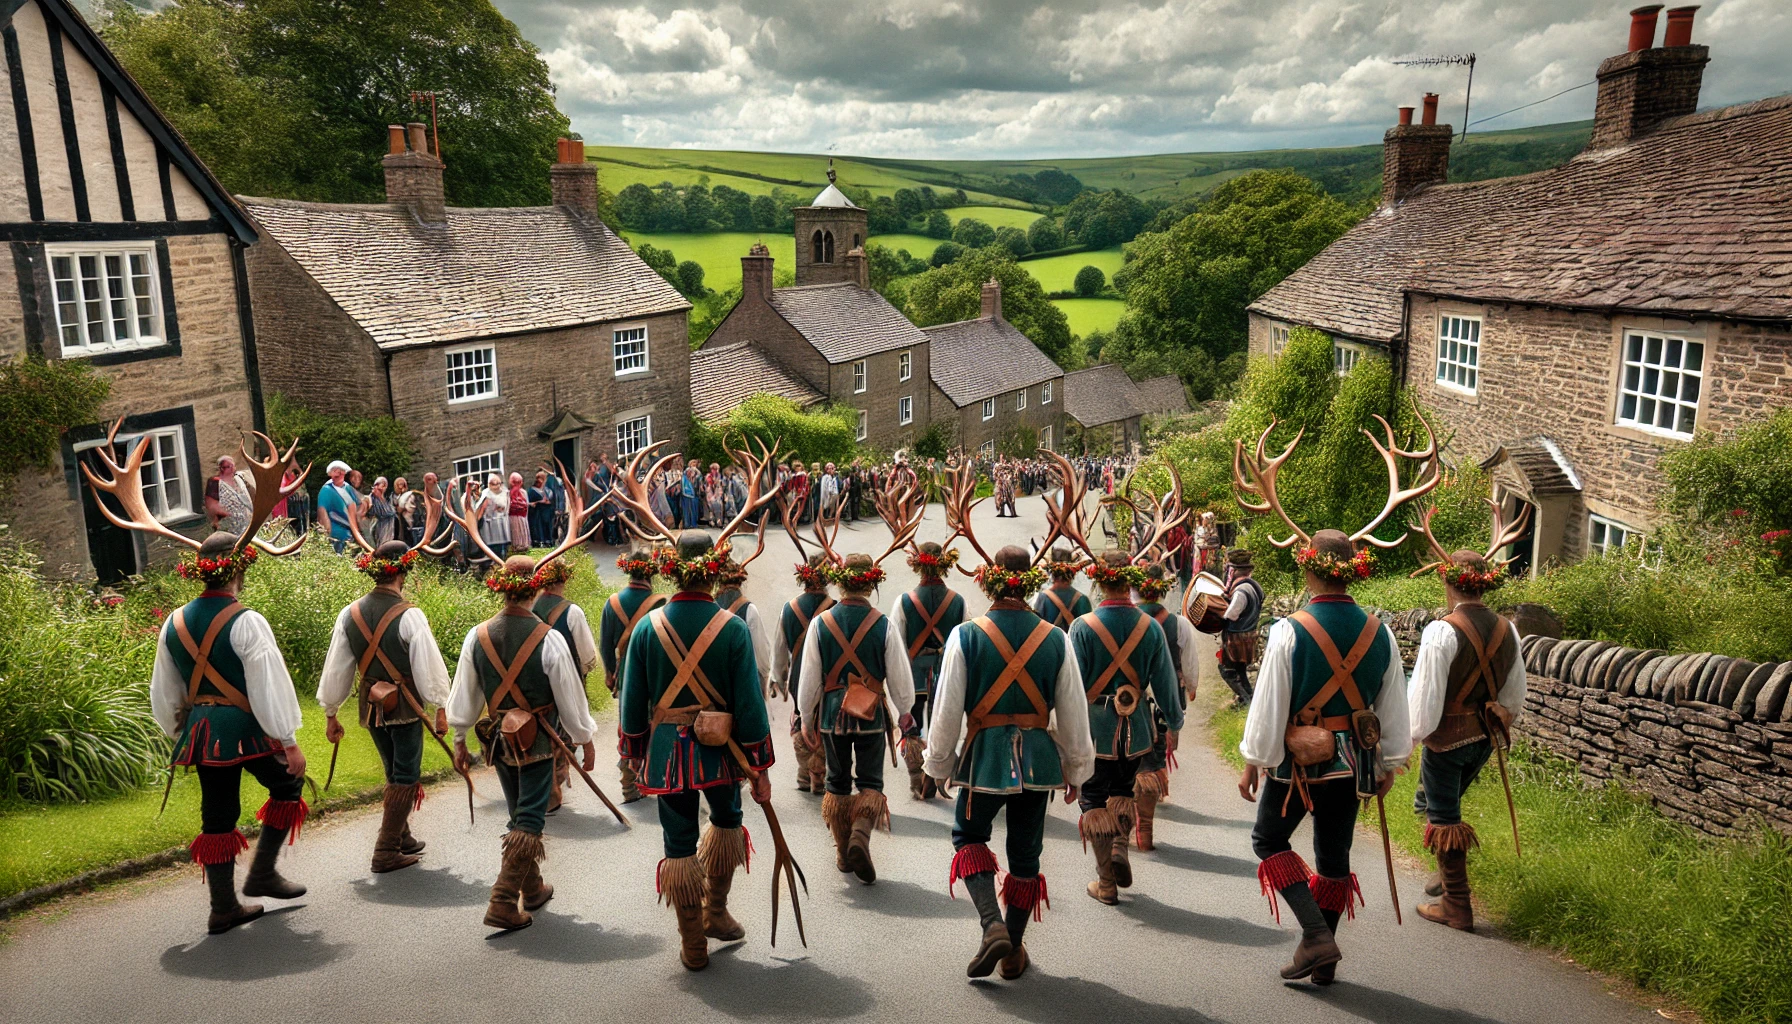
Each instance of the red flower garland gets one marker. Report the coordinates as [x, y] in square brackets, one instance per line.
[217, 570]
[637, 568]
[1112, 576]
[1338, 570]
[857, 579]
[813, 575]
[1064, 572]
[385, 568]
[933, 565]
[510, 584]
[998, 582]
[1153, 588]
[1470, 580]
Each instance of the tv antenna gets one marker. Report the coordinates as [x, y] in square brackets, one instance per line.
[1466, 60]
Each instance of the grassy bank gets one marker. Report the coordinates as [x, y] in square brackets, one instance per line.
[1087, 315]
[1614, 885]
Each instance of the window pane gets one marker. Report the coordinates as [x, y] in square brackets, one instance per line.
[1632, 374]
[1653, 350]
[1673, 354]
[1686, 419]
[1689, 388]
[1647, 413]
[1629, 410]
[1636, 348]
[1695, 355]
[1651, 381]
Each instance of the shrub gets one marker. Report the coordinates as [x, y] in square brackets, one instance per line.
[1044, 235]
[1090, 281]
[973, 233]
[1014, 240]
[813, 435]
[945, 252]
[936, 441]
[38, 401]
[1751, 470]
[690, 280]
[375, 445]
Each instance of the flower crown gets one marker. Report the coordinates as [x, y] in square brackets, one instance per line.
[637, 567]
[554, 573]
[385, 568]
[512, 584]
[215, 570]
[733, 573]
[1106, 575]
[857, 579]
[1471, 580]
[997, 582]
[813, 575]
[1153, 588]
[1064, 572]
[933, 565]
[705, 568]
[1338, 570]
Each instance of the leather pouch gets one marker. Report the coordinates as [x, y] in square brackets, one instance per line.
[383, 695]
[1365, 727]
[1498, 721]
[713, 728]
[862, 699]
[518, 727]
[1126, 700]
[1309, 743]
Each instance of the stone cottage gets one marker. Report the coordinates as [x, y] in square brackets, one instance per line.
[993, 384]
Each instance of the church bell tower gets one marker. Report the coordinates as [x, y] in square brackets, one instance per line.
[826, 230]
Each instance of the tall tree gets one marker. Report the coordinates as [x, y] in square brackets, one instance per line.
[955, 292]
[340, 71]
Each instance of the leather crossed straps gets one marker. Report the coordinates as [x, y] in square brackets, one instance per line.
[1343, 668]
[802, 622]
[559, 612]
[375, 637]
[1014, 673]
[201, 653]
[628, 621]
[849, 649]
[1458, 701]
[739, 602]
[930, 622]
[1120, 655]
[688, 666]
[1063, 618]
[507, 688]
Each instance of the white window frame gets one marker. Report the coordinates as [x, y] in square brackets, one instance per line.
[1345, 356]
[987, 450]
[646, 434]
[1020, 400]
[905, 365]
[1045, 393]
[989, 409]
[491, 462]
[905, 410]
[115, 299]
[623, 364]
[1640, 381]
[467, 382]
[1601, 539]
[170, 451]
[1278, 338]
[859, 377]
[864, 426]
[1459, 353]
[1045, 438]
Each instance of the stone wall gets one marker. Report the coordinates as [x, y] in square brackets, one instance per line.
[310, 350]
[883, 392]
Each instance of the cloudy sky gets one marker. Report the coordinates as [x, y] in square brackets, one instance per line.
[988, 78]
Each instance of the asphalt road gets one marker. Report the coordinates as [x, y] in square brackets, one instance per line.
[1191, 942]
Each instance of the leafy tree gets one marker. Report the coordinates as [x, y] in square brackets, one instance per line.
[946, 252]
[39, 400]
[635, 206]
[973, 233]
[318, 81]
[1090, 281]
[1101, 219]
[1017, 441]
[1187, 288]
[734, 208]
[1014, 240]
[908, 204]
[708, 313]
[940, 437]
[1057, 187]
[765, 213]
[375, 445]
[690, 280]
[699, 209]
[955, 292]
[1713, 479]
[1044, 235]
[886, 265]
[938, 225]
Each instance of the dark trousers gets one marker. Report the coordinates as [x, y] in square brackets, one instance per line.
[526, 793]
[854, 758]
[221, 790]
[1444, 777]
[401, 750]
[1236, 677]
[1334, 823]
[975, 818]
[921, 712]
[1111, 778]
[678, 816]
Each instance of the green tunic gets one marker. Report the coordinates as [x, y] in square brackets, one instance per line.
[214, 732]
[792, 627]
[611, 639]
[850, 616]
[918, 606]
[374, 608]
[675, 761]
[508, 633]
[1075, 601]
[1343, 621]
[1009, 758]
[1117, 735]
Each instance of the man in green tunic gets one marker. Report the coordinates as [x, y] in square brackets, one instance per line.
[856, 688]
[691, 711]
[1061, 603]
[1127, 678]
[923, 618]
[517, 680]
[624, 609]
[787, 664]
[384, 642]
[1153, 781]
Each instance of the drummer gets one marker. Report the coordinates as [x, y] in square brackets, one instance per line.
[1238, 637]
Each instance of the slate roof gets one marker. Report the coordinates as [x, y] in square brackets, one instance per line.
[1541, 462]
[1693, 218]
[724, 376]
[845, 322]
[484, 272]
[1100, 394]
[1163, 394]
[976, 359]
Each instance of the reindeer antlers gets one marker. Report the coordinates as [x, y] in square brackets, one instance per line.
[467, 520]
[1255, 477]
[901, 507]
[961, 486]
[758, 495]
[269, 491]
[1500, 536]
[126, 485]
[1166, 513]
[1430, 475]
[633, 490]
[1065, 517]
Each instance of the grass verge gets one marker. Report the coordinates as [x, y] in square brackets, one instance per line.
[1607, 881]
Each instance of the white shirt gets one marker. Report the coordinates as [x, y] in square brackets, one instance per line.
[583, 642]
[780, 653]
[1069, 726]
[899, 683]
[265, 680]
[429, 673]
[1190, 668]
[467, 702]
[1270, 711]
[762, 641]
[1430, 687]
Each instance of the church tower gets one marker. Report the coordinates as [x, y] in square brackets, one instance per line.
[826, 230]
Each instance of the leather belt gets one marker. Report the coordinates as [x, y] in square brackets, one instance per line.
[674, 716]
[214, 701]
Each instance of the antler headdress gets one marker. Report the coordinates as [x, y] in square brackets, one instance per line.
[504, 578]
[1465, 575]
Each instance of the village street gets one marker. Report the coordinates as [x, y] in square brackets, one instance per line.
[1192, 941]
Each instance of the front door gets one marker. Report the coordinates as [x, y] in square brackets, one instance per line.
[566, 452]
[113, 551]
[1521, 551]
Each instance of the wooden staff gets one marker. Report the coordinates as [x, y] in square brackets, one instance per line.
[1387, 851]
[784, 866]
[423, 718]
[335, 748]
[554, 734]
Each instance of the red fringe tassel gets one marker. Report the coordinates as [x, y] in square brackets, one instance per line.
[1027, 894]
[971, 860]
[287, 814]
[1279, 872]
[418, 806]
[217, 847]
[1336, 894]
[747, 837]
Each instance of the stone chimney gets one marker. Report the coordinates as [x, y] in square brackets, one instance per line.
[1647, 84]
[992, 300]
[573, 180]
[413, 173]
[858, 268]
[756, 273]
[1414, 155]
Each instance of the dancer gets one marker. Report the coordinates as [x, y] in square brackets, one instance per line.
[220, 688]
[1153, 781]
[1061, 603]
[730, 598]
[622, 612]
[1239, 639]
[571, 622]
[814, 573]
[1314, 727]
[922, 618]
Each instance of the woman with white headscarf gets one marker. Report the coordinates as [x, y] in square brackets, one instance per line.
[494, 516]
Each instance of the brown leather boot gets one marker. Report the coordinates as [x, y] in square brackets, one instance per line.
[1103, 888]
[502, 912]
[388, 846]
[408, 843]
[869, 810]
[631, 785]
[562, 770]
[722, 850]
[836, 813]
[1126, 814]
[1014, 964]
[227, 911]
[681, 885]
[536, 893]
[914, 753]
[1318, 947]
[1148, 793]
[1453, 907]
[1434, 886]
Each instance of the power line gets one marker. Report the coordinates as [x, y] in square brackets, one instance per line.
[1545, 99]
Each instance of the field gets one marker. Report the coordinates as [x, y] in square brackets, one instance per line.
[754, 173]
[1091, 314]
[1058, 273]
[995, 216]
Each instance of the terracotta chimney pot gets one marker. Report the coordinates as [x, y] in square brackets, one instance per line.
[419, 136]
[395, 137]
[1406, 115]
[1430, 116]
[1679, 31]
[1642, 27]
